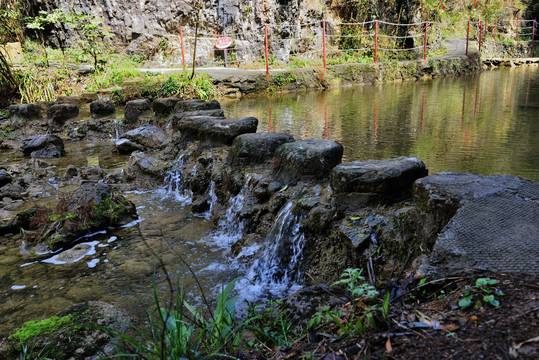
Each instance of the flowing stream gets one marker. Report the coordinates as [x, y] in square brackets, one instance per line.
[483, 124]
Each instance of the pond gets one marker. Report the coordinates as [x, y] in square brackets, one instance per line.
[482, 124]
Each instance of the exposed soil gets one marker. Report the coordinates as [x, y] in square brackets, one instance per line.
[432, 326]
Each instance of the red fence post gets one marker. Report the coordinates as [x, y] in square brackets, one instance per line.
[516, 34]
[480, 34]
[533, 35]
[375, 41]
[324, 41]
[183, 52]
[467, 37]
[426, 38]
[266, 45]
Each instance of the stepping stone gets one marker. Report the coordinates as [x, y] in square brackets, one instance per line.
[310, 159]
[258, 148]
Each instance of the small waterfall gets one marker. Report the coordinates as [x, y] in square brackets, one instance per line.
[230, 227]
[277, 270]
[175, 184]
[213, 200]
[118, 128]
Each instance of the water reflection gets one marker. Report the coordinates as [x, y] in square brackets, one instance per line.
[484, 124]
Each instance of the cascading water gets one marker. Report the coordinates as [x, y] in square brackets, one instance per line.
[277, 270]
[175, 184]
[230, 227]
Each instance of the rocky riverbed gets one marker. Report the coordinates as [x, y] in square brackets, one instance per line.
[295, 212]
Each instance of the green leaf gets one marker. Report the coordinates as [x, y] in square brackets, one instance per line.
[354, 218]
[283, 189]
[465, 302]
[494, 302]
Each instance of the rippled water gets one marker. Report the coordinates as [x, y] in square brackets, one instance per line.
[484, 124]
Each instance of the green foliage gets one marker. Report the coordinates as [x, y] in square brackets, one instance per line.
[172, 334]
[271, 325]
[32, 329]
[93, 36]
[483, 292]
[356, 284]
[285, 78]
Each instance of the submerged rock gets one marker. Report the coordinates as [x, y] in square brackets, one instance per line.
[255, 149]
[310, 159]
[43, 146]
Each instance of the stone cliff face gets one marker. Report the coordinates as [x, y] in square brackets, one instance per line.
[141, 25]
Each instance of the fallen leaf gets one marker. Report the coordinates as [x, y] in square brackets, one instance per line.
[389, 348]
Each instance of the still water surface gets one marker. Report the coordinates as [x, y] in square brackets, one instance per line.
[483, 124]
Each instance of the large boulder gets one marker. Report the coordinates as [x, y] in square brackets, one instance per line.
[147, 135]
[82, 331]
[89, 208]
[58, 114]
[137, 111]
[440, 195]
[310, 159]
[179, 116]
[5, 178]
[258, 148]
[126, 146]
[391, 178]
[101, 109]
[194, 105]
[145, 168]
[223, 132]
[43, 146]
[164, 106]
[189, 127]
[22, 113]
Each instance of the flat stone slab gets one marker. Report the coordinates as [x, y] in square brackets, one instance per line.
[440, 195]
[223, 132]
[258, 148]
[189, 126]
[193, 105]
[498, 232]
[377, 176]
[310, 159]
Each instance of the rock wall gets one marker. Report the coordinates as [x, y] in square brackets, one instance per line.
[143, 24]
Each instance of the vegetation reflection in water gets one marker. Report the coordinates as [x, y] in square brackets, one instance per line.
[482, 124]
